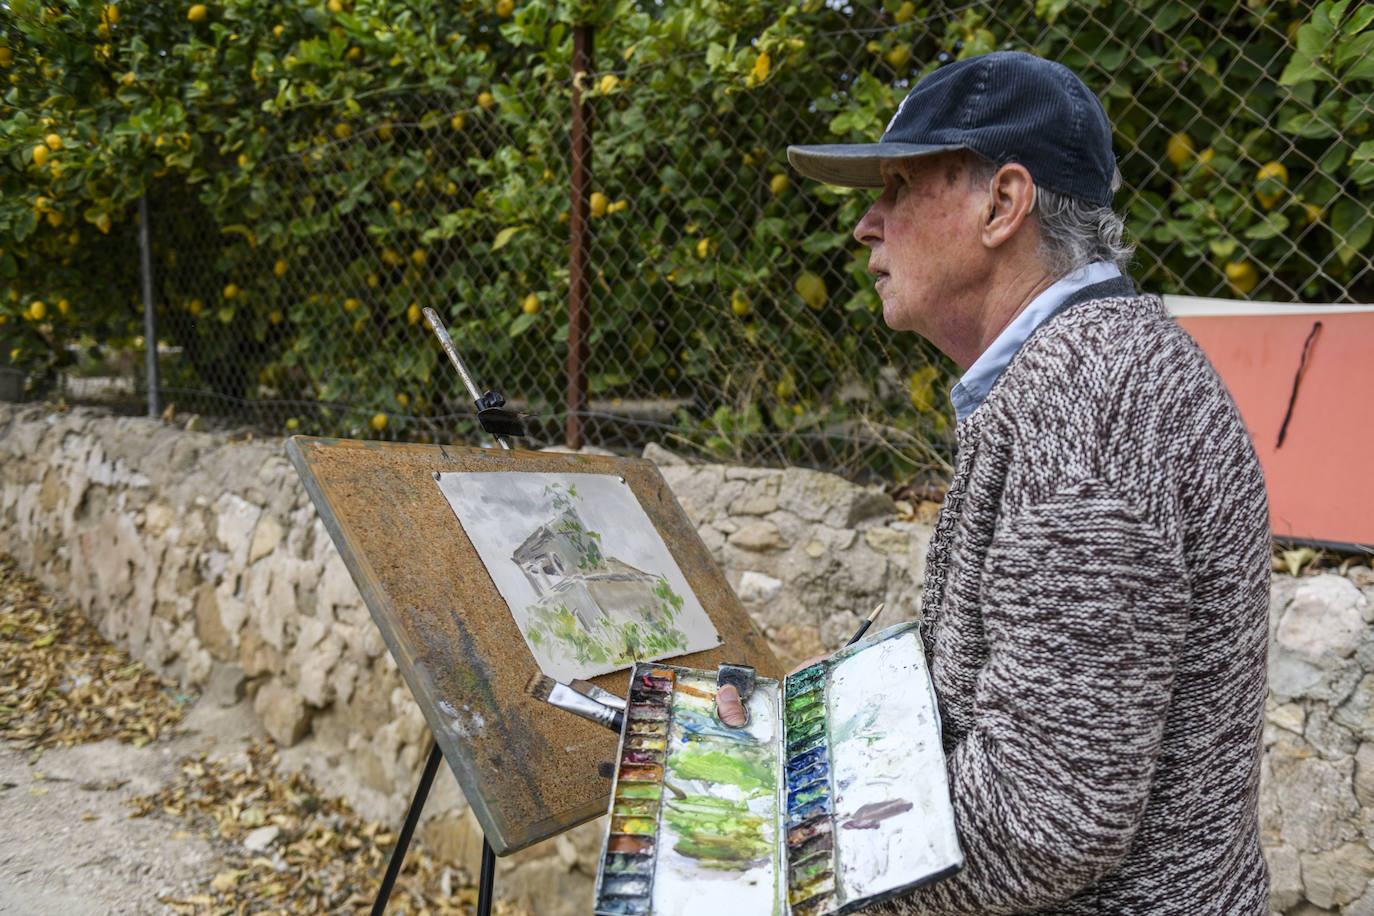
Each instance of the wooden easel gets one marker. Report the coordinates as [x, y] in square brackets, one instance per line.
[528, 770]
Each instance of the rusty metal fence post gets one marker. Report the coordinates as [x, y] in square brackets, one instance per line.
[579, 275]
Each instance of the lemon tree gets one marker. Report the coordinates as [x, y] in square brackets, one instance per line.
[316, 173]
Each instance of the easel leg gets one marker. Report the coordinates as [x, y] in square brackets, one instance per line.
[398, 855]
[417, 804]
[488, 880]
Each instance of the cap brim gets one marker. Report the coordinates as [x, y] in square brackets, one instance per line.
[854, 165]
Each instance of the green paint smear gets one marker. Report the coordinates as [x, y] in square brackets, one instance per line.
[749, 768]
[718, 833]
[847, 729]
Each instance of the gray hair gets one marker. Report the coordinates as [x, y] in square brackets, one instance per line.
[1073, 233]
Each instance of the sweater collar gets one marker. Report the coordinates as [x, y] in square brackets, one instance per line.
[1096, 281]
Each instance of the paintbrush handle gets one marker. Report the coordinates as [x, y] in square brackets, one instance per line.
[858, 634]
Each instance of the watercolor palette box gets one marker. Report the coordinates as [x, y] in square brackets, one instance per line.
[832, 798]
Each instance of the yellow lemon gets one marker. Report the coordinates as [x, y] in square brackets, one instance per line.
[763, 65]
[292, 423]
[335, 6]
[608, 83]
[1179, 149]
[279, 268]
[486, 101]
[504, 8]
[618, 206]
[898, 56]
[378, 421]
[342, 131]
[904, 12]
[418, 256]
[1268, 173]
[811, 288]
[55, 219]
[402, 398]
[53, 141]
[739, 303]
[243, 160]
[413, 313]
[6, 57]
[231, 291]
[197, 13]
[277, 30]
[704, 247]
[1313, 213]
[350, 304]
[1241, 275]
[63, 306]
[457, 121]
[599, 203]
[195, 307]
[779, 183]
[530, 304]
[38, 311]
[40, 155]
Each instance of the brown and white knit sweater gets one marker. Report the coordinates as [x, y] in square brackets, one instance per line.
[1095, 613]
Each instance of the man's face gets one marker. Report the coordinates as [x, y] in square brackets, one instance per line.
[923, 232]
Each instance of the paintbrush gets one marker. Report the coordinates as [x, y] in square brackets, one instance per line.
[602, 696]
[543, 687]
[863, 627]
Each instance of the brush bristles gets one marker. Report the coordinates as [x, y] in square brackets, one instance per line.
[540, 686]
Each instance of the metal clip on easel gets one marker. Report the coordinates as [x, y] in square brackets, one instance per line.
[500, 423]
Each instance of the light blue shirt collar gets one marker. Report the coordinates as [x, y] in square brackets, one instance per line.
[978, 380]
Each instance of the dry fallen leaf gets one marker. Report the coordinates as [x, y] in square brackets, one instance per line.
[76, 688]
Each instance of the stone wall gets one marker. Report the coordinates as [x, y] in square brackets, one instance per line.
[201, 554]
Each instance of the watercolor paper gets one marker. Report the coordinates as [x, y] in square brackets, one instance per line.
[589, 581]
[832, 798]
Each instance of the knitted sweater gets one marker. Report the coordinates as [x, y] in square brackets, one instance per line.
[1096, 614]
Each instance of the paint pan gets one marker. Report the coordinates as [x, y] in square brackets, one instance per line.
[796, 814]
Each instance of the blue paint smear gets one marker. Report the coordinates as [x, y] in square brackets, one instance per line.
[697, 725]
[808, 777]
[801, 762]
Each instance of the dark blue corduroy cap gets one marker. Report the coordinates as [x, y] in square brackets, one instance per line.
[1006, 106]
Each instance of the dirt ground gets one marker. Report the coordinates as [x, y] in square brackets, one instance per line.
[119, 794]
[67, 842]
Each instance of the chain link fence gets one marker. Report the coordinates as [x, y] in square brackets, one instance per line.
[730, 314]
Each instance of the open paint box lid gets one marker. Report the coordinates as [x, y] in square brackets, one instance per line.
[832, 798]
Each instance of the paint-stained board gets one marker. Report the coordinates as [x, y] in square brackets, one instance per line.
[528, 770]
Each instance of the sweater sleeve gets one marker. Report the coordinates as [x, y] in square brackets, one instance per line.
[1084, 609]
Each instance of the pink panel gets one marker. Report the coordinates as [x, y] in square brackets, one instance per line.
[1321, 480]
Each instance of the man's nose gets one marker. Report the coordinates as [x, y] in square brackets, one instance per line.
[869, 230]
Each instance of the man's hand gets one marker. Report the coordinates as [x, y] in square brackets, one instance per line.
[732, 712]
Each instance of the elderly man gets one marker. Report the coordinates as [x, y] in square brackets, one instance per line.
[1096, 591]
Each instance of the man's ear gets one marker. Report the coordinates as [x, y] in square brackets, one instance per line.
[1011, 194]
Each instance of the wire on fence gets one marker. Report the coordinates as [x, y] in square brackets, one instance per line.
[730, 311]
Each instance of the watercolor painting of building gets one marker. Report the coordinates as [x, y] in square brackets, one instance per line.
[585, 606]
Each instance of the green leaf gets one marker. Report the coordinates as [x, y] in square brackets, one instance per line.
[1351, 228]
[1311, 124]
[1223, 248]
[1273, 224]
[1354, 57]
[1362, 163]
[520, 325]
[505, 235]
